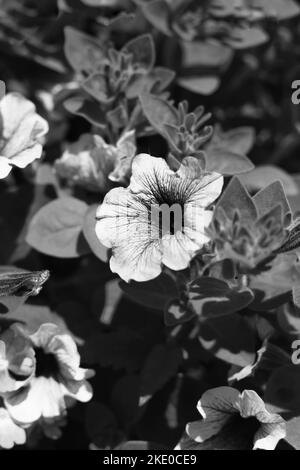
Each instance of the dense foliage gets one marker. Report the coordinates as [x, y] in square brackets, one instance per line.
[119, 328]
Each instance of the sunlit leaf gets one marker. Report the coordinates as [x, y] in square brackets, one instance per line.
[229, 338]
[211, 297]
[161, 364]
[56, 229]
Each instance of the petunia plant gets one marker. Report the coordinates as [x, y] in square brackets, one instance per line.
[149, 225]
[110, 81]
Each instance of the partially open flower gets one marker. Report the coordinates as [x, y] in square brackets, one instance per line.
[17, 362]
[93, 164]
[232, 421]
[10, 432]
[21, 132]
[160, 219]
[58, 382]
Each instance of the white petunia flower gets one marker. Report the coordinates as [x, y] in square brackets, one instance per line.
[58, 382]
[233, 420]
[160, 219]
[21, 132]
[93, 164]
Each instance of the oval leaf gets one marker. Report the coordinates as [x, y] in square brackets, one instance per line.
[56, 229]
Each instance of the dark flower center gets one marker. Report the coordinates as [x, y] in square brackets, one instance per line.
[166, 204]
[237, 434]
[46, 364]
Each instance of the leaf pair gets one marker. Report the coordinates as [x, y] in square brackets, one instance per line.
[188, 135]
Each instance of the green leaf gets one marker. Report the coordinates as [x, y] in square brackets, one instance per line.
[14, 209]
[296, 296]
[33, 316]
[268, 358]
[160, 366]
[118, 117]
[175, 313]
[83, 52]
[153, 294]
[226, 151]
[273, 288]
[157, 13]
[283, 9]
[101, 425]
[205, 54]
[226, 162]
[264, 175]
[247, 37]
[142, 50]
[288, 317]
[158, 112]
[202, 85]
[238, 141]
[293, 432]
[125, 400]
[236, 198]
[106, 300]
[163, 77]
[11, 303]
[120, 349]
[87, 109]
[96, 86]
[154, 82]
[56, 229]
[212, 297]
[229, 338]
[283, 390]
[95, 245]
[269, 197]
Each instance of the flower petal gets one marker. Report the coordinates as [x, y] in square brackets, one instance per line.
[5, 167]
[206, 190]
[216, 407]
[268, 435]
[146, 171]
[123, 224]
[27, 156]
[273, 426]
[10, 433]
[22, 128]
[25, 406]
[177, 251]
[81, 391]
[14, 108]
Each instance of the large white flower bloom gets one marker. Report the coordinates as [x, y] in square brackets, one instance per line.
[21, 132]
[58, 382]
[159, 219]
[224, 426]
